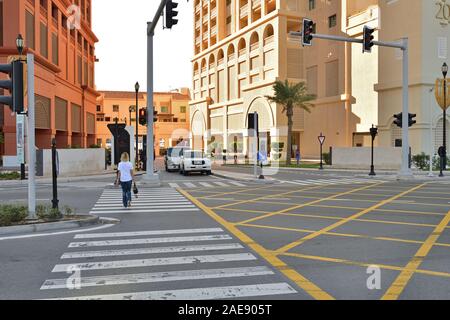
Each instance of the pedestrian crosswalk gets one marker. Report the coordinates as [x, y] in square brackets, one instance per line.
[139, 268]
[209, 184]
[147, 201]
[320, 182]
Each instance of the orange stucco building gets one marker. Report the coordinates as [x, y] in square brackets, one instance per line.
[64, 72]
[173, 118]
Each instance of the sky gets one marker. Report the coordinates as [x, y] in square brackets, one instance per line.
[120, 26]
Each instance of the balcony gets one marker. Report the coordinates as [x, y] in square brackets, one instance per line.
[197, 8]
[205, 36]
[214, 31]
[214, 13]
[256, 4]
[243, 11]
[197, 24]
[254, 46]
[197, 41]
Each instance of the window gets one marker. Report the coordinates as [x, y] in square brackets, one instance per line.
[175, 119]
[182, 120]
[332, 21]
[30, 30]
[99, 142]
[115, 108]
[80, 69]
[164, 109]
[55, 56]
[108, 119]
[182, 109]
[44, 40]
[312, 4]
[99, 108]
[100, 118]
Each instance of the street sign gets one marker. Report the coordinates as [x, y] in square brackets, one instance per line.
[20, 137]
[439, 93]
[321, 139]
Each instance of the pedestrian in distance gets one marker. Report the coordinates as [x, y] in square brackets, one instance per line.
[297, 156]
[125, 176]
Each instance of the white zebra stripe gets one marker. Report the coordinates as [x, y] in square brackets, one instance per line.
[237, 184]
[154, 262]
[145, 233]
[162, 209]
[136, 203]
[221, 184]
[211, 293]
[160, 277]
[155, 206]
[140, 251]
[174, 185]
[206, 184]
[189, 185]
[125, 242]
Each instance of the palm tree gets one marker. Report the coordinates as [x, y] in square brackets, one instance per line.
[291, 96]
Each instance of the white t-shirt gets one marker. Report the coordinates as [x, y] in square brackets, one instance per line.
[125, 171]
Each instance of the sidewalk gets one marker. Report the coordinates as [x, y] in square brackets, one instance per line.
[242, 177]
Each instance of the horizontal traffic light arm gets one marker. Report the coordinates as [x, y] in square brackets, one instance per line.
[398, 45]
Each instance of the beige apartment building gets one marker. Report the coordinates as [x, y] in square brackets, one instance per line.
[241, 47]
[172, 125]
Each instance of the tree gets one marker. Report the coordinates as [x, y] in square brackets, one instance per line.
[291, 96]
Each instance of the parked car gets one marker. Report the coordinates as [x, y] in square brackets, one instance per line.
[172, 158]
[195, 161]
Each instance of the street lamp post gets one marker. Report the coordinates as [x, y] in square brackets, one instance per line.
[321, 141]
[444, 144]
[430, 174]
[373, 133]
[136, 87]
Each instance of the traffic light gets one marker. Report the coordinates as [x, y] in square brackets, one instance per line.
[143, 116]
[308, 28]
[411, 120]
[368, 39]
[155, 116]
[14, 85]
[171, 14]
[398, 120]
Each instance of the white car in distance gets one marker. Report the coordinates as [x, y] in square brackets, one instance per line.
[194, 161]
[172, 159]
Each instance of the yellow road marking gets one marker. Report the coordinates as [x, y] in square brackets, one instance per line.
[361, 220]
[236, 192]
[339, 223]
[402, 280]
[302, 282]
[306, 204]
[362, 264]
[347, 235]
[263, 197]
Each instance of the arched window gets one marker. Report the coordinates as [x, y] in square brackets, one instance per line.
[212, 61]
[195, 68]
[230, 52]
[241, 47]
[203, 65]
[254, 41]
[220, 57]
[268, 34]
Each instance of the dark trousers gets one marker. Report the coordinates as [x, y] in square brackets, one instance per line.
[126, 192]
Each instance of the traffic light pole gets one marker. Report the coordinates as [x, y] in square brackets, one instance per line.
[31, 139]
[150, 178]
[405, 171]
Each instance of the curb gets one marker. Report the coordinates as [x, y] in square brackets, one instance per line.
[260, 181]
[52, 226]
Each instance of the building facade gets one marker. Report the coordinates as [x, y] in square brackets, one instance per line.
[64, 71]
[171, 128]
[241, 47]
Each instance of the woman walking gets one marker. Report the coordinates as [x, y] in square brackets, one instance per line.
[125, 176]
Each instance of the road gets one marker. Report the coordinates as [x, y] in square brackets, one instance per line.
[306, 236]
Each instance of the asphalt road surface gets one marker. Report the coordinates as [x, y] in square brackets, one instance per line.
[306, 236]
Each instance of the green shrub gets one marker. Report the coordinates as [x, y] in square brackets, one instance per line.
[2, 138]
[277, 148]
[10, 214]
[421, 161]
[9, 176]
[326, 158]
[94, 146]
[46, 212]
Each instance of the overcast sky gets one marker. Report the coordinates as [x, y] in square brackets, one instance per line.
[122, 48]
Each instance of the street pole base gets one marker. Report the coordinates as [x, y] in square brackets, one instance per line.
[405, 175]
[430, 175]
[261, 177]
[150, 181]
